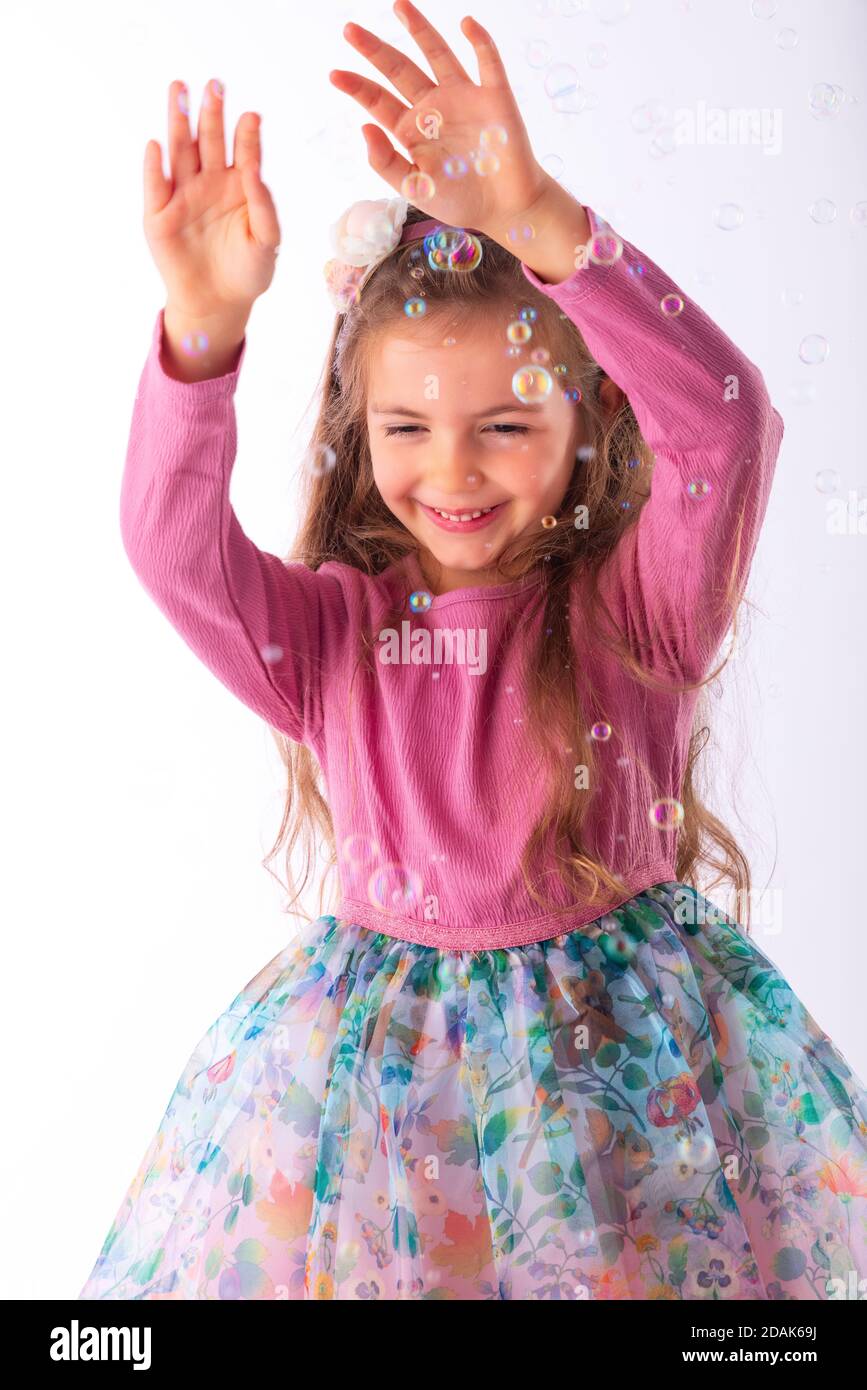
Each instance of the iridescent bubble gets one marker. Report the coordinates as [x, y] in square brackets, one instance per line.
[418, 187]
[572, 394]
[637, 270]
[540, 355]
[825, 100]
[549, 522]
[320, 459]
[359, 850]
[414, 308]
[532, 383]
[561, 80]
[552, 164]
[271, 654]
[486, 164]
[597, 55]
[792, 298]
[611, 11]
[728, 216]
[666, 814]
[528, 314]
[429, 122]
[663, 143]
[787, 39]
[858, 215]
[420, 601]
[605, 248]
[763, 9]
[493, 135]
[455, 166]
[184, 102]
[698, 487]
[601, 732]
[671, 305]
[523, 232]
[814, 349]
[194, 344]
[823, 211]
[538, 53]
[585, 452]
[519, 332]
[393, 887]
[561, 369]
[828, 481]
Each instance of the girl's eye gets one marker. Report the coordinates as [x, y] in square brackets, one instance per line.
[401, 429]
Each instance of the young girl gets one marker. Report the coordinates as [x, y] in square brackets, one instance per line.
[524, 1057]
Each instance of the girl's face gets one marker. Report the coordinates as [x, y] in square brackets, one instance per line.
[448, 434]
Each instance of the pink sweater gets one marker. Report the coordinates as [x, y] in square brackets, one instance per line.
[434, 805]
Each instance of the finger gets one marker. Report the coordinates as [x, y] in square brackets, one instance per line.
[157, 188]
[443, 61]
[401, 72]
[384, 159]
[492, 72]
[212, 141]
[261, 212]
[183, 154]
[247, 145]
[381, 104]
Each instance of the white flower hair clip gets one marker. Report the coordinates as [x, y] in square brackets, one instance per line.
[367, 232]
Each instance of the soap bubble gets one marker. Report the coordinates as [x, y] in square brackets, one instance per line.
[528, 314]
[825, 100]
[698, 488]
[486, 164]
[418, 187]
[666, 814]
[532, 383]
[858, 215]
[572, 394]
[493, 135]
[671, 305]
[538, 53]
[359, 849]
[814, 349]
[560, 80]
[604, 248]
[525, 231]
[392, 887]
[552, 164]
[414, 308]
[728, 216]
[549, 522]
[420, 601]
[320, 459]
[540, 355]
[601, 732]
[455, 166]
[787, 39]
[519, 332]
[823, 211]
[194, 344]
[763, 9]
[828, 481]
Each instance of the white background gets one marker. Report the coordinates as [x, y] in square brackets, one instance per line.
[140, 796]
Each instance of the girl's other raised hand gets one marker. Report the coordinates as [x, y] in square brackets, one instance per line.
[212, 229]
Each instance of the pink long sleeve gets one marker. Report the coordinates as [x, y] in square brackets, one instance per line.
[667, 578]
[258, 624]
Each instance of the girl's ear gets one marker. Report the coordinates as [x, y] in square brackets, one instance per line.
[611, 397]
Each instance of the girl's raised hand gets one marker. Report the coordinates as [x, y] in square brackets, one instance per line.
[453, 128]
[212, 230]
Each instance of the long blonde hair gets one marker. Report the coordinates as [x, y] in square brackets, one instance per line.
[346, 520]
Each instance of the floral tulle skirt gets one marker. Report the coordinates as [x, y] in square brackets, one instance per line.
[639, 1109]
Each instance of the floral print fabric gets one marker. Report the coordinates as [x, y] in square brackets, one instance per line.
[638, 1109]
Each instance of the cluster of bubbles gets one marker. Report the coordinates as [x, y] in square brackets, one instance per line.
[419, 187]
[666, 814]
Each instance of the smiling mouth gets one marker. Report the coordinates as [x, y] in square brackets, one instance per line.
[461, 520]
